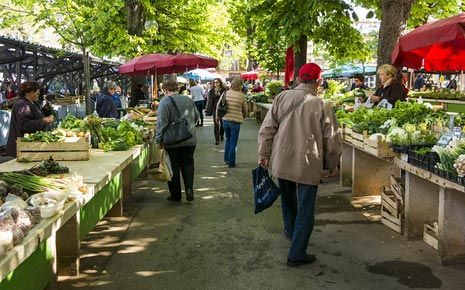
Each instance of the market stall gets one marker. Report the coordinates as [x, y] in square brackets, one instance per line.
[430, 200]
[53, 245]
[125, 148]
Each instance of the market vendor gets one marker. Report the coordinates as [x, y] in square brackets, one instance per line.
[26, 116]
[392, 89]
[106, 107]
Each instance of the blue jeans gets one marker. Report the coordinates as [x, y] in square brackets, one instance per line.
[231, 130]
[298, 208]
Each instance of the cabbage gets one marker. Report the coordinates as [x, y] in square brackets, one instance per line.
[401, 133]
[374, 137]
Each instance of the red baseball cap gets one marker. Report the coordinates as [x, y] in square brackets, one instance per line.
[310, 71]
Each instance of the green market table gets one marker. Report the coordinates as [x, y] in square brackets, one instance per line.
[53, 246]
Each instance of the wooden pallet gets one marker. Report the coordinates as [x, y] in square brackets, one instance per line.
[378, 147]
[430, 235]
[73, 148]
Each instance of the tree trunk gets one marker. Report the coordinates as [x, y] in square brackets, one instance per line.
[394, 20]
[135, 26]
[300, 55]
[136, 19]
[86, 63]
[250, 61]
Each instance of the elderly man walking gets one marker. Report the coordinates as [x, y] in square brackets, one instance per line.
[297, 136]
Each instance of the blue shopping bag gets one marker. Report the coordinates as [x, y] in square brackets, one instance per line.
[265, 190]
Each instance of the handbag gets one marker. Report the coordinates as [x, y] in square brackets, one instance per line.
[222, 106]
[176, 131]
[265, 190]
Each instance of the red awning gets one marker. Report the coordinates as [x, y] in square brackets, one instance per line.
[250, 75]
[436, 46]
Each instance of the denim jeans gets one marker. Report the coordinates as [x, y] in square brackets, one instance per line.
[182, 163]
[231, 130]
[298, 208]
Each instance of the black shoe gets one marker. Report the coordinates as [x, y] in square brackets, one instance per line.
[170, 198]
[189, 194]
[198, 125]
[310, 259]
[217, 143]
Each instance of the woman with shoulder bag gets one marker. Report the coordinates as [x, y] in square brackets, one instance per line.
[235, 115]
[172, 107]
[214, 96]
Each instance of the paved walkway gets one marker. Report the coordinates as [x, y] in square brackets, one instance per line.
[217, 242]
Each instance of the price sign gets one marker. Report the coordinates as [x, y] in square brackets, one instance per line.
[445, 139]
[457, 131]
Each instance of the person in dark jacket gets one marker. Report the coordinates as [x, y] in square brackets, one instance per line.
[212, 101]
[26, 116]
[136, 96]
[106, 107]
[392, 89]
[359, 82]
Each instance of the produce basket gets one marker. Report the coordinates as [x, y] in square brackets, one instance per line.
[73, 148]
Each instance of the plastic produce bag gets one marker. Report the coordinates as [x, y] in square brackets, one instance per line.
[160, 170]
[385, 104]
[265, 190]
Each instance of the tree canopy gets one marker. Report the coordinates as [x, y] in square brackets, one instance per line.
[127, 28]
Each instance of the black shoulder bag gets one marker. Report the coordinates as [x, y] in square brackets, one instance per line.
[176, 131]
[222, 106]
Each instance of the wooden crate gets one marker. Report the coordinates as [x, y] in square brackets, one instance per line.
[390, 202]
[358, 140]
[391, 210]
[73, 148]
[394, 223]
[378, 147]
[347, 134]
[430, 235]
[398, 188]
[67, 100]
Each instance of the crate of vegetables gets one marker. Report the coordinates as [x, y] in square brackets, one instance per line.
[376, 145]
[43, 145]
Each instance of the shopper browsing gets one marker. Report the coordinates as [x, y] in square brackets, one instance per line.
[297, 134]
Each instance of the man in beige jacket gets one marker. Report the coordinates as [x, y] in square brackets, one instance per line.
[299, 133]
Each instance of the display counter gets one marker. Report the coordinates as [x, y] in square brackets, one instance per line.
[52, 246]
[365, 172]
[430, 198]
[259, 110]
